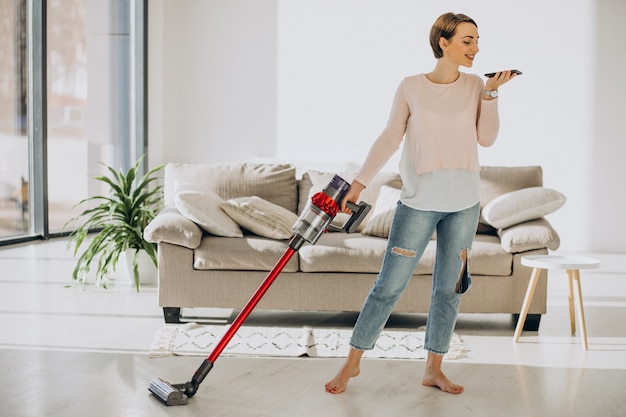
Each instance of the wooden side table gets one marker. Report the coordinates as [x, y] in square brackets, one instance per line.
[572, 265]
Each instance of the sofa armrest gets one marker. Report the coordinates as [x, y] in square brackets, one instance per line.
[534, 234]
[172, 227]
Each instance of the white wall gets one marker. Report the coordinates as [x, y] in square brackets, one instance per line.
[311, 82]
[211, 80]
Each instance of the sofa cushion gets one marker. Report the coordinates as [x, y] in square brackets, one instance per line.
[339, 252]
[250, 253]
[261, 217]
[535, 234]
[487, 257]
[172, 227]
[314, 181]
[273, 182]
[202, 206]
[522, 205]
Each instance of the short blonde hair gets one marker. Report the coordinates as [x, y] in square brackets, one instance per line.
[445, 26]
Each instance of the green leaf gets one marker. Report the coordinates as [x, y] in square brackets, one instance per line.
[119, 219]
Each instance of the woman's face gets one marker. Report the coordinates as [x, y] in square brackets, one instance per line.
[462, 47]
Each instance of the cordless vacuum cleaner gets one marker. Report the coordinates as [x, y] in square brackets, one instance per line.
[314, 220]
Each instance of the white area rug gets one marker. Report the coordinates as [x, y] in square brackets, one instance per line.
[199, 340]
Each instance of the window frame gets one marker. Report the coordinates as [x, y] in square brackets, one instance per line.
[37, 112]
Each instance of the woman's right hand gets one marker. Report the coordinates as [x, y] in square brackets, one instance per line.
[352, 195]
[501, 77]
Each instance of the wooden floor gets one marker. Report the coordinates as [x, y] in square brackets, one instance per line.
[82, 351]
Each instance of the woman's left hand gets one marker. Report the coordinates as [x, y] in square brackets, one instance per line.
[499, 79]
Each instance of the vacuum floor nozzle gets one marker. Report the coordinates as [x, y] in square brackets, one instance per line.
[167, 393]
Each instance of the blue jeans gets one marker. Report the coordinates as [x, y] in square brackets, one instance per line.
[410, 233]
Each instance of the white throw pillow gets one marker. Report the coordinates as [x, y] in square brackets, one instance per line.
[534, 234]
[172, 227]
[522, 205]
[261, 217]
[379, 223]
[202, 206]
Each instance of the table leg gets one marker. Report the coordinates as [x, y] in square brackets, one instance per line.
[534, 278]
[570, 298]
[581, 311]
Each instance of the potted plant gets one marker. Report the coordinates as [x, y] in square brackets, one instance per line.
[119, 220]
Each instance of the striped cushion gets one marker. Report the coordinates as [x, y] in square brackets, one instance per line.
[261, 217]
[383, 211]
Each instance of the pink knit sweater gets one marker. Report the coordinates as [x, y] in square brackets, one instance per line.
[444, 122]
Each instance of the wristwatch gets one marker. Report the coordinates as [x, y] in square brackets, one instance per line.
[491, 93]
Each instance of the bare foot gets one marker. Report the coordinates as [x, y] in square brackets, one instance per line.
[439, 380]
[339, 383]
[434, 377]
[350, 369]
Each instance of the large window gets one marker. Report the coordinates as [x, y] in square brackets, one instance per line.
[90, 94]
[14, 166]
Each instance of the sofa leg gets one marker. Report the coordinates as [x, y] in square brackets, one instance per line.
[171, 314]
[531, 324]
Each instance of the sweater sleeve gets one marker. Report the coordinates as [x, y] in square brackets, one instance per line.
[488, 123]
[389, 140]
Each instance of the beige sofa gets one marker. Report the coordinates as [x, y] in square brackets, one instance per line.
[200, 269]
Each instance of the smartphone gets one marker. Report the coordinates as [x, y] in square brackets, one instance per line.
[491, 74]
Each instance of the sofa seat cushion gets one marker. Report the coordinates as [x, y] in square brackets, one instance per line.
[487, 257]
[339, 252]
[250, 253]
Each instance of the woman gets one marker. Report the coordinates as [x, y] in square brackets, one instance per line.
[444, 115]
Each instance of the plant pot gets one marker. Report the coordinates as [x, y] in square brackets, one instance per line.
[148, 274]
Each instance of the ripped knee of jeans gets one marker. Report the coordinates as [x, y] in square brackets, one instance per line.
[464, 283]
[403, 252]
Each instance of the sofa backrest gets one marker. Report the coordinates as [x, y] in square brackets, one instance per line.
[273, 182]
[277, 183]
[495, 181]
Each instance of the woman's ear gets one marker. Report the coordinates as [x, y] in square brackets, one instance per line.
[443, 43]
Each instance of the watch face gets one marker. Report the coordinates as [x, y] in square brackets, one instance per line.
[494, 93]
